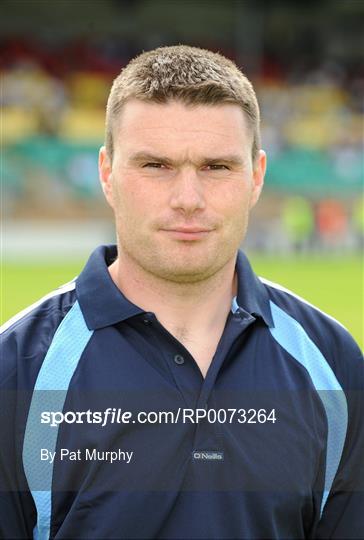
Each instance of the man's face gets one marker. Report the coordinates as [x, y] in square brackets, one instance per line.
[181, 185]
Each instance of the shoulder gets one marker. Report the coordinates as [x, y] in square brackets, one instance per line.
[304, 327]
[25, 338]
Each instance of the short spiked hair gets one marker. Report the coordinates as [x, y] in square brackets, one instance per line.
[191, 75]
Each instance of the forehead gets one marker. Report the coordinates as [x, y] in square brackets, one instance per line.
[174, 126]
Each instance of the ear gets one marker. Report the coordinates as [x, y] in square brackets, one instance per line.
[105, 175]
[259, 169]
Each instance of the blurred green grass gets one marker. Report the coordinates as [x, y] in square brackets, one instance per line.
[333, 284]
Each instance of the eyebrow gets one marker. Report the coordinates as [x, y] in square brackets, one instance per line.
[146, 156]
[232, 159]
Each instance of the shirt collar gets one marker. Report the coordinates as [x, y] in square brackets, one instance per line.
[103, 304]
[252, 294]
[101, 301]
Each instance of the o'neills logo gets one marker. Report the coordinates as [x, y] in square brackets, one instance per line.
[208, 455]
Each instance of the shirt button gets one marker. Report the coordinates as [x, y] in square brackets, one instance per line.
[179, 359]
[147, 320]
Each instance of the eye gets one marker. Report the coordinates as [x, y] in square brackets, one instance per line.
[154, 165]
[217, 167]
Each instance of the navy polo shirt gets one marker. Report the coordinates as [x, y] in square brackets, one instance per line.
[277, 455]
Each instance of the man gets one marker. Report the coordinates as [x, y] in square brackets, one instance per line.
[263, 391]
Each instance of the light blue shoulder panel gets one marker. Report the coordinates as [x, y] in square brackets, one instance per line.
[293, 338]
[49, 394]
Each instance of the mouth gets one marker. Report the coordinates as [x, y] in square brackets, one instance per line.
[187, 233]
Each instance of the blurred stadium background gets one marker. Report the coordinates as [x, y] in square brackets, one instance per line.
[58, 59]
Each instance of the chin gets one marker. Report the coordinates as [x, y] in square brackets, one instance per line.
[188, 270]
[185, 275]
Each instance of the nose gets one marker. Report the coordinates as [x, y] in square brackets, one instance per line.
[187, 192]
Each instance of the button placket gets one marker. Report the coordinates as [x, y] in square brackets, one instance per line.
[179, 359]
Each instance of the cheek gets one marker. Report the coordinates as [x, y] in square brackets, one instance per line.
[235, 201]
[135, 204]
[236, 207]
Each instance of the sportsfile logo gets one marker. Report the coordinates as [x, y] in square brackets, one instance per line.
[209, 455]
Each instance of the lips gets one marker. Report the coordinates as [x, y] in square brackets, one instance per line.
[187, 233]
[188, 229]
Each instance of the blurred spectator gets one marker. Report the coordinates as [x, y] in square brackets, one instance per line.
[27, 87]
[358, 221]
[299, 223]
[332, 223]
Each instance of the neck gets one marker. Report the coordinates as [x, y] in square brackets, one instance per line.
[203, 305]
